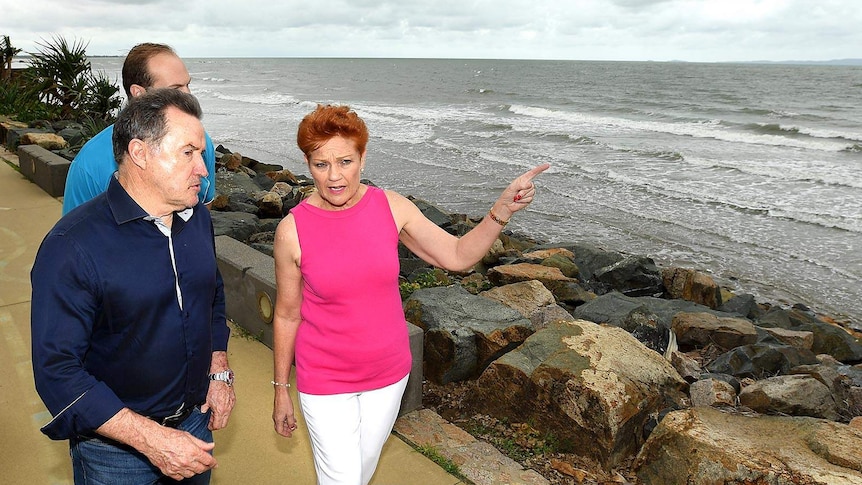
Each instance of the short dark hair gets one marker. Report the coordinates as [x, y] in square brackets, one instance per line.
[135, 70]
[143, 118]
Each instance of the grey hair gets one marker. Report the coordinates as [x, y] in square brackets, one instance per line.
[143, 118]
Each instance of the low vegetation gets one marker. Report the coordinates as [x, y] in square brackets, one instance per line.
[58, 85]
[432, 454]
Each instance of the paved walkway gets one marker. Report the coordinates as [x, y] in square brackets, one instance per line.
[248, 450]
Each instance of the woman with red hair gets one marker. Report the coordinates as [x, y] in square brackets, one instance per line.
[338, 312]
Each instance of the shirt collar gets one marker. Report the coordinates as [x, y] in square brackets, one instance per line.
[125, 209]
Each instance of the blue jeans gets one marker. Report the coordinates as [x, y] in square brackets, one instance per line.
[97, 461]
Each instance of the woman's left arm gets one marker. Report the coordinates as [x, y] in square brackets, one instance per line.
[441, 249]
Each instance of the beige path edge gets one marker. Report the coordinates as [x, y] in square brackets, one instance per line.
[249, 452]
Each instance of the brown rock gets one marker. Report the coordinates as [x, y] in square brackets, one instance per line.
[513, 273]
[231, 161]
[712, 392]
[526, 297]
[795, 395]
[284, 175]
[220, 202]
[794, 338]
[569, 470]
[48, 141]
[547, 253]
[701, 329]
[688, 367]
[690, 285]
[270, 206]
[705, 446]
[593, 387]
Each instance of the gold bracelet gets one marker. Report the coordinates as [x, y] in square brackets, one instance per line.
[497, 219]
[282, 384]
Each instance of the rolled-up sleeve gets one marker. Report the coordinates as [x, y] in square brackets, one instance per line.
[63, 311]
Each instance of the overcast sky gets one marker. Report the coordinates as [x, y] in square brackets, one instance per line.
[636, 30]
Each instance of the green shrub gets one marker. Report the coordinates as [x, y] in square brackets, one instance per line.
[59, 85]
[23, 104]
[62, 75]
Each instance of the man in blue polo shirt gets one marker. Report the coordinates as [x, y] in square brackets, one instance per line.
[147, 66]
[129, 336]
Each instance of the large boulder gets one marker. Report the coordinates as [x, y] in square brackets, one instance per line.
[506, 274]
[794, 395]
[270, 205]
[632, 276]
[761, 360]
[463, 332]
[691, 285]
[238, 225]
[48, 141]
[587, 257]
[616, 309]
[558, 257]
[701, 329]
[531, 299]
[230, 183]
[704, 446]
[743, 305]
[794, 338]
[592, 387]
[828, 338]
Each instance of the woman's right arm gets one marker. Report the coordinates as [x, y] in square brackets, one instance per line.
[286, 319]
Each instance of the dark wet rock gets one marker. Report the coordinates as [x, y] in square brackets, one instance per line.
[464, 333]
[828, 338]
[759, 360]
[632, 276]
[743, 305]
[238, 225]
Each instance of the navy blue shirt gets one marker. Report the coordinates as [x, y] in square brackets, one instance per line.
[114, 323]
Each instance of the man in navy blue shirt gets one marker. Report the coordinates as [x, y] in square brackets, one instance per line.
[128, 326]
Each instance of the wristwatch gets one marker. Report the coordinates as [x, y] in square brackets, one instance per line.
[225, 376]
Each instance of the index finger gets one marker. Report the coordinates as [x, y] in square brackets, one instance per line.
[529, 174]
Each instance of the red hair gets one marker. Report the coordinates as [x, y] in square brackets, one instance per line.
[327, 122]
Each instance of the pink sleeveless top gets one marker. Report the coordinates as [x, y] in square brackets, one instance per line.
[353, 335]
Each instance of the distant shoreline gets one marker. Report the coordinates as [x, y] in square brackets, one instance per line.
[830, 62]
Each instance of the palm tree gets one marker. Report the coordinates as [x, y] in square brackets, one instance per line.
[60, 72]
[7, 53]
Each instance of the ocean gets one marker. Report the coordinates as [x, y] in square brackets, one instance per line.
[748, 172]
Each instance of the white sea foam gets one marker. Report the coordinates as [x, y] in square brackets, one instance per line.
[265, 98]
[705, 129]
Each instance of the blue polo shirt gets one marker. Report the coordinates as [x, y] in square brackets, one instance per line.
[124, 315]
[93, 166]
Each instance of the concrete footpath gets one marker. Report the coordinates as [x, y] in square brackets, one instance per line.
[248, 450]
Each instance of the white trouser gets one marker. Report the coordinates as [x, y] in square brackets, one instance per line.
[348, 431]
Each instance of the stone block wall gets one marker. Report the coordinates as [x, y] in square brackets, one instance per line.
[47, 169]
